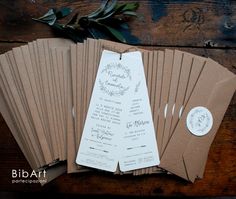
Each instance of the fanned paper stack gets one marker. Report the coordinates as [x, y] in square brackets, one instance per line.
[46, 88]
[34, 101]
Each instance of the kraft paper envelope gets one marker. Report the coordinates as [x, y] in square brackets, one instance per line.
[166, 81]
[22, 100]
[84, 85]
[43, 73]
[149, 73]
[83, 66]
[60, 98]
[79, 56]
[59, 68]
[186, 154]
[152, 90]
[90, 62]
[197, 65]
[175, 74]
[29, 66]
[17, 102]
[56, 100]
[83, 90]
[49, 84]
[182, 87]
[8, 90]
[70, 120]
[38, 91]
[52, 172]
[79, 90]
[71, 136]
[65, 65]
[14, 120]
[11, 122]
[67, 94]
[158, 85]
[15, 98]
[188, 68]
[153, 81]
[57, 95]
[80, 94]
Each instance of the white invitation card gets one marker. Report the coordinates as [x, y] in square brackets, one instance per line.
[119, 126]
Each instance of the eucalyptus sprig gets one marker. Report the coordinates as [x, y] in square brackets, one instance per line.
[108, 21]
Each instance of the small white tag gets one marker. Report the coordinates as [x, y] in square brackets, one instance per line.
[138, 145]
[199, 121]
[119, 124]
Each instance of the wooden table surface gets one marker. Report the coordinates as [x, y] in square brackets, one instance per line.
[206, 28]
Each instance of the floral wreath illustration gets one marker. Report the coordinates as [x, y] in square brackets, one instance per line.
[116, 66]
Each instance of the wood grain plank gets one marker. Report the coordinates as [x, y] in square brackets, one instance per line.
[166, 23]
[5, 46]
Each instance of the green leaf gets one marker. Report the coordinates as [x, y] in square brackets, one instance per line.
[63, 12]
[50, 22]
[48, 18]
[130, 7]
[97, 32]
[73, 20]
[115, 33]
[131, 13]
[75, 35]
[106, 21]
[92, 33]
[49, 14]
[119, 7]
[52, 15]
[99, 10]
[106, 16]
[110, 7]
[135, 14]
[126, 7]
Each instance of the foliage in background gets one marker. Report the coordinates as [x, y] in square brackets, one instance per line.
[108, 21]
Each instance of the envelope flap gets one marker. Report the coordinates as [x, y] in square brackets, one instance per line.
[213, 79]
[196, 153]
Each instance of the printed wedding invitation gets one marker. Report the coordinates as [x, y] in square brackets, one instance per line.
[118, 126]
[112, 111]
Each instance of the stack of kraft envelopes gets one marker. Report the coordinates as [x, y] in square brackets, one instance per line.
[46, 87]
[34, 101]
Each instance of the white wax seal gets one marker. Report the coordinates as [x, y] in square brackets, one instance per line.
[199, 121]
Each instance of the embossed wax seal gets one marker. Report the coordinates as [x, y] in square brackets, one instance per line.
[199, 121]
